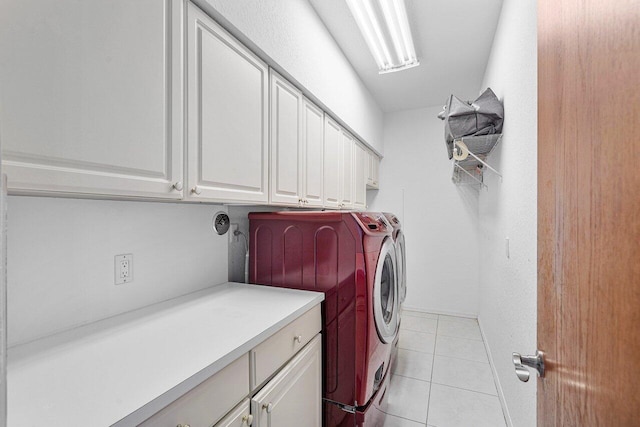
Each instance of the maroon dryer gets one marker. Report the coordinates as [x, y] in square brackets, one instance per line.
[351, 258]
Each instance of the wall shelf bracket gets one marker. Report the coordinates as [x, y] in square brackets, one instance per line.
[470, 159]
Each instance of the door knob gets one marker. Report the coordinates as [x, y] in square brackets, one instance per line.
[247, 420]
[268, 407]
[521, 362]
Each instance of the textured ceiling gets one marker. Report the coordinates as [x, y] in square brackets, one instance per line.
[453, 41]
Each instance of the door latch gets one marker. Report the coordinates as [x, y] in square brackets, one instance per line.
[521, 362]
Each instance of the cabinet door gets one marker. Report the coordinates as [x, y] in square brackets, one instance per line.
[369, 163]
[92, 97]
[313, 154]
[228, 146]
[332, 147]
[346, 171]
[204, 405]
[372, 170]
[286, 156]
[360, 177]
[293, 397]
[239, 417]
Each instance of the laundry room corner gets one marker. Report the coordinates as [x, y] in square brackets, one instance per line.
[440, 219]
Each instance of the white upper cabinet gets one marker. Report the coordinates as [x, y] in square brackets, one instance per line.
[297, 130]
[332, 163]
[360, 176]
[92, 96]
[286, 147]
[346, 171]
[313, 155]
[373, 167]
[228, 145]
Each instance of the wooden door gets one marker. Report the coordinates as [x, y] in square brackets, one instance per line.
[228, 109]
[589, 212]
[93, 96]
[332, 140]
[313, 154]
[286, 156]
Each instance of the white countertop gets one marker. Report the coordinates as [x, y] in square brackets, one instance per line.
[124, 369]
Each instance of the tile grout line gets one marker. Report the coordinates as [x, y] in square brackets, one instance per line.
[465, 389]
[433, 359]
[458, 358]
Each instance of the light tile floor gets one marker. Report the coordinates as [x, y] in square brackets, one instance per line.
[442, 376]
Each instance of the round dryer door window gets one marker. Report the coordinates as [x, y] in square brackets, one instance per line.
[385, 293]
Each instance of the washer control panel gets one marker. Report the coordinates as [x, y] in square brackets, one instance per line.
[373, 222]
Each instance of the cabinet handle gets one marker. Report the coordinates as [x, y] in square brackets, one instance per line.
[268, 407]
[177, 186]
[247, 420]
[196, 190]
[298, 338]
[183, 425]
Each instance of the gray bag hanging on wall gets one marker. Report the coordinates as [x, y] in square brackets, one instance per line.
[484, 116]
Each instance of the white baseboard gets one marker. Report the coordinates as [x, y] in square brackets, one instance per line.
[496, 379]
[443, 312]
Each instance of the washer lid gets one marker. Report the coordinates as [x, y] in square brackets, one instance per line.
[385, 293]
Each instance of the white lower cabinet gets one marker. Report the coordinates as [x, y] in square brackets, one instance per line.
[278, 384]
[210, 401]
[239, 417]
[293, 397]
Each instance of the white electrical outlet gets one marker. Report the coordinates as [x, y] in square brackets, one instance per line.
[123, 269]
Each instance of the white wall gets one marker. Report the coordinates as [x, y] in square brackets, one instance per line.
[508, 286]
[439, 218]
[290, 36]
[61, 259]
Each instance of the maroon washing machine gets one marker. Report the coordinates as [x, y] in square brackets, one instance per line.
[351, 258]
[401, 262]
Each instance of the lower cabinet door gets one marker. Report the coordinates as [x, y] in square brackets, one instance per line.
[207, 403]
[293, 398]
[239, 417]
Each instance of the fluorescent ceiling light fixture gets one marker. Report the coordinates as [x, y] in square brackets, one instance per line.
[385, 27]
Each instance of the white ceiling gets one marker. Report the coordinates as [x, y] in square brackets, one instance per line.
[452, 38]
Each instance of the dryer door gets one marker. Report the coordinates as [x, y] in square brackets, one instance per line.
[402, 267]
[385, 293]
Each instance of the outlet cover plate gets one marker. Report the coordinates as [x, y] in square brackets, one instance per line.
[123, 269]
